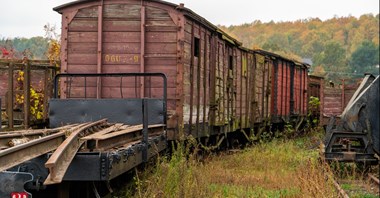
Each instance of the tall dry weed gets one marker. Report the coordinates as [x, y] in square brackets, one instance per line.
[281, 168]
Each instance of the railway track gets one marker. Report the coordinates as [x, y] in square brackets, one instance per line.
[354, 182]
[368, 186]
[374, 179]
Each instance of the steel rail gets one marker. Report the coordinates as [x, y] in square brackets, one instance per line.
[16, 155]
[31, 134]
[118, 138]
[340, 190]
[373, 178]
[27, 131]
[60, 160]
[107, 130]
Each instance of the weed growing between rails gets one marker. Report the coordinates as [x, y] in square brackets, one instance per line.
[280, 168]
[353, 179]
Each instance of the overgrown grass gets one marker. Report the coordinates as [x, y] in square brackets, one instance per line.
[353, 179]
[280, 168]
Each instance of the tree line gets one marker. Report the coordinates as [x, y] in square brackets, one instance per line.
[17, 48]
[37, 48]
[341, 47]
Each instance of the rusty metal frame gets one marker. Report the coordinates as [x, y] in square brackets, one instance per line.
[60, 160]
[335, 151]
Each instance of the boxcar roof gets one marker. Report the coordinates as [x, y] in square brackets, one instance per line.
[186, 11]
[316, 76]
[194, 16]
[263, 52]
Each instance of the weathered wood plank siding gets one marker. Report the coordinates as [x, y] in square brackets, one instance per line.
[214, 84]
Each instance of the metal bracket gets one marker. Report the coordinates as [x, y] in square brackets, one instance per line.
[349, 147]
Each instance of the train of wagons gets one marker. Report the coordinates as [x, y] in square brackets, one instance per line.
[215, 86]
[217, 91]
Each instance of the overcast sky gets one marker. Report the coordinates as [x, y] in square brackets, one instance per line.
[26, 18]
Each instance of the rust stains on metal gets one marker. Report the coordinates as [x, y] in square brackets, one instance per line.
[66, 141]
[101, 141]
[24, 152]
[60, 160]
[6, 137]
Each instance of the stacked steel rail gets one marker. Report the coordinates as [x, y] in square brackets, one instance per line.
[84, 150]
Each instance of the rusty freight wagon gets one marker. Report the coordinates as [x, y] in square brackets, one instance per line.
[214, 84]
[281, 89]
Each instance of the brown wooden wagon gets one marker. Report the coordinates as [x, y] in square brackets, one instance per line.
[215, 85]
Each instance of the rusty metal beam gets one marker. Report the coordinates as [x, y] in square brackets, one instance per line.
[31, 134]
[60, 160]
[24, 152]
[110, 129]
[110, 140]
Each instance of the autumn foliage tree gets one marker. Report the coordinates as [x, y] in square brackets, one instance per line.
[365, 59]
[54, 48]
[335, 44]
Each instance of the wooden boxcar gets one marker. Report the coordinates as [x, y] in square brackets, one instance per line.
[215, 85]
[282, 85]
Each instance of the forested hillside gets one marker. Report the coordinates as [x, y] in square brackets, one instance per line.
[338, 47]
[33, 48]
